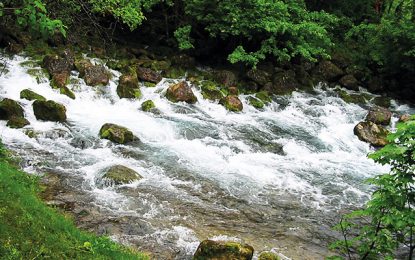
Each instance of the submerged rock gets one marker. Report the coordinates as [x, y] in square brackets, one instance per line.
[96, 75]
[120, 174]
[10, 108]
[147, 105]
[31, 95]
[217, 250]
[268, 256]
[115, 133]
[379, 115]
[232, 103]
[148, 75]
[181, 92]
[371, 133]
[17, 122]
[128, 87]
[49, 111]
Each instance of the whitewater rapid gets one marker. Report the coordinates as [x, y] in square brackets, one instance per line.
[271, 177]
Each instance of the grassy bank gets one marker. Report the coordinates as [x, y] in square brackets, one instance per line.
[29, 229]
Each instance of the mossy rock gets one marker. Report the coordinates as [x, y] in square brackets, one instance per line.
[217, 250]
[263, 96]
[382, 101]
[17, 122]
[147, 105]
[181, 92]
[372, 133]
[149, 85]
[232, 103]
[255, 102]
[31, 95]
[49, 111]
[10, 108]
[120, 65]
[115, 133]
[128, 86]
[175, 73]
[160, 65]
[352, 98]
[379, 115]
[120, 174]
[268, 256]
[60, 80]
[81, 65]
[212, 94]
[67, 92]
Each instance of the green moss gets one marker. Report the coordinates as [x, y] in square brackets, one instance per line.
[49, 111]
[147, 105]
[31, 230]
[255, 102]
[268, 256]
[30, 95]
[263, 96]
[116, 133]
[17, 122]
[66, 91]
[175, 73]
[352, 98]
[149, 84]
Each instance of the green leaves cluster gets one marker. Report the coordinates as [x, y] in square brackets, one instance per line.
[388, 220]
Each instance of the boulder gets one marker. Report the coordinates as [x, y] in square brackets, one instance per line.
[148, 75]
[55, 64]
[60, 80]
[327, 70]
[404, 118]
[210, 90]
[232, 103]
[379, 115]
[81, 65]
[119, 174]
[49, 111]
[259, 76]
[96, 75]
[115, 133]
[181, 92]
[268, 256]
[382, 101]
[17, 122]
[128, 86]
[284, 82]
[371, 133]
[147, 105]
[349, 82]
[353, 98]
[10, 108]
[225, 77]
[31, 95]
[218, 250]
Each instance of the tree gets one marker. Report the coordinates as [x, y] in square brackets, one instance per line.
[388, 220]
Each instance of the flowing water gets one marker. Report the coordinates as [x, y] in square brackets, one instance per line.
[275, 178]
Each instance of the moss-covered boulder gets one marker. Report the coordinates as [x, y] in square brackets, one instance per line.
[268, 256]
[349, 82]
[115, 133]
[260, 77]
[67, 92]
[379, 115]
[17, 122]
[233, 91]
[283, 83]
[232, 103]
[55, 64]
[96, 75]
[181, 92]
[149, 75]
[175, 73]
[255, 102]
[353, 98]
[370, 132]
[81, 65]
[217, 250]
[210, 90]
[60, 80]
[128, 86]
[31, 95]
[328, 71]
[147, 105]
[382, 101]
[49, 111]
[10, 108]
[119, 174]
[225, 77]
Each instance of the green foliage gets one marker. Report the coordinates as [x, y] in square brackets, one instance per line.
[182, 35]
[33, 16]
[31, 230]
[282, 29]
[389, 214]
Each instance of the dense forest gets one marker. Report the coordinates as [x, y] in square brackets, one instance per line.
[273, 46]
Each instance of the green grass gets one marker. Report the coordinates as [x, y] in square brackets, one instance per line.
[29, 229]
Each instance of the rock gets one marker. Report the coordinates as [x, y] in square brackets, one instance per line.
[160, 65]
[382, 101]
[376, 85]
[327, 70]
[81, 65]
[175, 73]
[379, 115]
[17, 122]
[233, 91]
[15, 48]
[371, 133]
[263, 96]
[284, 83]
[67, 92]
[60, 80]
[184, 61]
[148, 75]
[10, 108]
[349, 82]
[232, 103]
[115, 133]
[119, 174]
[256, 102]
[147, 105]
[181, 92]
[96, 75]
[352, 98]
[250, 87]
[49, 111]
[210, 90]
[225, 77]
[55, 64]
[259, 76]
[128, 86]
[404, 118]
[268, 256]
[215, 250]
[31, 95]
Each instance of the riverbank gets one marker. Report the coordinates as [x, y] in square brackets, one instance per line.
[30, 229]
